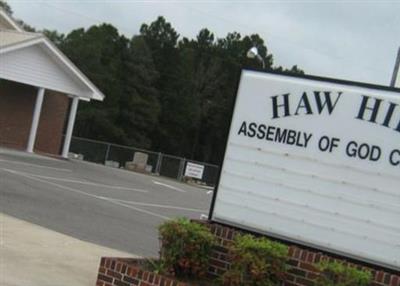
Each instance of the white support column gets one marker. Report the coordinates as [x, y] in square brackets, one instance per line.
[35, 120]
[70, 127]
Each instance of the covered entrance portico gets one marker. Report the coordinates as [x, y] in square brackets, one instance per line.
[40, 89]
[35, 122]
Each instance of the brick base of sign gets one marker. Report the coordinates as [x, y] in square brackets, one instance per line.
[301, 270]
[128, 272]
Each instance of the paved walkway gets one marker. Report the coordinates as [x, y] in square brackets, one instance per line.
[31, 255]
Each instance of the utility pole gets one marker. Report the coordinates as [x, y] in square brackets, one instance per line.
[395, 82]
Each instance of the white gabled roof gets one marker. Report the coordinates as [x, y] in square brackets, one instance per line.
[24, 47]
[8, 22]
[11, 37]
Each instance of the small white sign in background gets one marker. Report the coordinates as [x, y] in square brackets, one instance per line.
[194, 170]
[315, 162]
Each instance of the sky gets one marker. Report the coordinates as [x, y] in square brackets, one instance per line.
[352, 40]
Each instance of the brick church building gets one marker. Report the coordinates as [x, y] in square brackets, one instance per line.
[39, 91]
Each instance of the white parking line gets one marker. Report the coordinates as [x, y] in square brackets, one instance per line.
[110, 200]
[35, 165]
[117, 202]
[169, 186]
[86, 183]
[161, 206]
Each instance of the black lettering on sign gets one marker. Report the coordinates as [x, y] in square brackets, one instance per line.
[394, 158]
[275, 134]
[389, 114]
[285, 105]
[261, 131]
[351, 150]
[363, 151]
[327, 144]
[324, 143]
[280, 135]
[370, 109]
[304, 103]
[291, 138]
[327, 102]
[252, 129]
[307, 138]
[374, 108]
[243, 129]
[323, 101]
[270, 133]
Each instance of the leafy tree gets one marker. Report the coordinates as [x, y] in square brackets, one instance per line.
[202, 76]
[97, 52]
[25, 26]
[125, 71]
[174, 119]
[4, 5]
[54, 36]
[139, 107]
[160, 34]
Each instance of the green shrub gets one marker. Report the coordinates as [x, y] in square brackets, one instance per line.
[256, 262]
[338, 274]
[156, 266]
[185, 247]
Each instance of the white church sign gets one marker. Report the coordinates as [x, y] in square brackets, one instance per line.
[317, 162]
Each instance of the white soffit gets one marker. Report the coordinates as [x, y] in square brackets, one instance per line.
[32, 59]
[33, 66]
[11, 37]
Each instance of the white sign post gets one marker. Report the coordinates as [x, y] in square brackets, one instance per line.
[316, 162]
[194, 170]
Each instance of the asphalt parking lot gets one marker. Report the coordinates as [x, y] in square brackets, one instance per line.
[109, 207]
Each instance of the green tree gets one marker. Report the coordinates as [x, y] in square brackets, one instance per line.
[4, 5]
[202, 75]
[97, 52]
[125, 71]
[54, 36]
[174, 119]
[230, 54]
[139, 106]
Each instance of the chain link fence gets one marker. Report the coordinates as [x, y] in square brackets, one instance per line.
[118, 156]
